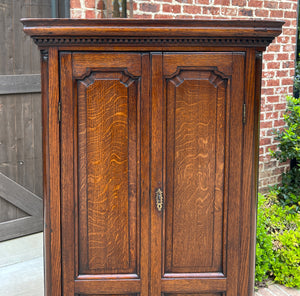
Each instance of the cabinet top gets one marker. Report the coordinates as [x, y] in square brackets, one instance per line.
[249, 33]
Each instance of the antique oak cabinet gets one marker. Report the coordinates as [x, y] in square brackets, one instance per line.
[150, 135]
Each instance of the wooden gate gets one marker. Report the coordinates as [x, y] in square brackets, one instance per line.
[21, 185]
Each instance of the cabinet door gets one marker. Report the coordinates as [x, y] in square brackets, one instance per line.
[104, 161]
[197, 135]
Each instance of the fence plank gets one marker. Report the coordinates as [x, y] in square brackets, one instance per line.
[20, 227]
[20, 196]
[15, 84]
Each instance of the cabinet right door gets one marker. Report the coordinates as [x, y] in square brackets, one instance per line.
[197, 138]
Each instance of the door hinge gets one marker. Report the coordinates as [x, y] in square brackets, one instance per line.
[59, 111]
[244, 113]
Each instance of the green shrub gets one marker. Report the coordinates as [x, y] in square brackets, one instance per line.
[289, 149]
[286, 266]
[264, 251]
[281, 226]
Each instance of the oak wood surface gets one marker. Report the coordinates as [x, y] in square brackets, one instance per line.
[132, 27]
[139, 121]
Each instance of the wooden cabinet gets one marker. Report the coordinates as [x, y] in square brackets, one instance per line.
[150, 155]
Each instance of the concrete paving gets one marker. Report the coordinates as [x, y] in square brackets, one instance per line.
[21, 266]
[277, 290]
[21, 270]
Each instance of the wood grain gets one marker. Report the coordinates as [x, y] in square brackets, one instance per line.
[111, 180]
[195, 142]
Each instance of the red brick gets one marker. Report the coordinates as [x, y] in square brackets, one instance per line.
[272, 115]
[274, 47]
[279, 106]
[276, 13]
[267, 91]
[184, 16]
[272, 100]
[290, 14]
[75, 4]
[289, 31]
[285, 5]
[89, 3]
[171, 8]
[292, 55]
[295, 6]
[266, 124]
[222, 2]
[283, 39]
[288, 48]
[287, 64]
[282, 73]
[203, 2]
[261, 150]
[90, 14]
[265, 141]
[261, 12]
[142, 16]
[185, 1]
[255, 3]
[281, 90]
[241, 3]
[246, 12]
[283, 56]
[273, 65]
[149, 7]
[211, 10]
[204, 17]
[273, 82]
[268, 57]
[268, 74]
[287, 81]
[271, 4]
[163, 16]
[270, 133]
[76, 14]
[192, 9]
[279, 122]
[265, 107]
[228, 11]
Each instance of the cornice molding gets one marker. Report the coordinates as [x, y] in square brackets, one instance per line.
[150, 41]
[164, 33]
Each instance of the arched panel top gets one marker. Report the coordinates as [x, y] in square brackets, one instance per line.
[100, 74]
[214, 76]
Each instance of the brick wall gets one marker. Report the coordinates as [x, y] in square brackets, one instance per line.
[278, 60]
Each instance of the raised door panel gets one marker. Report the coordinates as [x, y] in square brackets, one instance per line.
[201, 142]
[101, 205]
[107, 175]
[195, 144]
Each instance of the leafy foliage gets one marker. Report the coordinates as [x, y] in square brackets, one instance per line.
[264, 251]
[279, 225]
[289, 149]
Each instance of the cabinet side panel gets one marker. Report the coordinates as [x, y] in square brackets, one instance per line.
[107, 174]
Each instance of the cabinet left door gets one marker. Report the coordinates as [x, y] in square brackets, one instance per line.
[104, 173]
